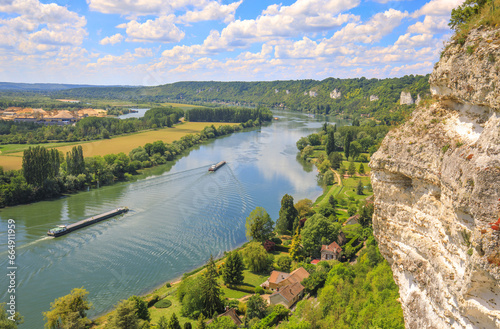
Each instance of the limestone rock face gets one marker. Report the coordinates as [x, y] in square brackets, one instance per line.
[312, 93]
[335, 94]
[373, 98]
[406, 99]
[418, 100]
[470, 73]
[437, 189]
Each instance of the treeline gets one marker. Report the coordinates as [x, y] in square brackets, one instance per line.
[302, 95]
[49, 173]
[228, 114]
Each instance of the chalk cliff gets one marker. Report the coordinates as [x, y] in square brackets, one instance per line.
[437, 187]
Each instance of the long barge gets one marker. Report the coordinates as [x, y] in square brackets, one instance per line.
[216, 166]
[64, 229]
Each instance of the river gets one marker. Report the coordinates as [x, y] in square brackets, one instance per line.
[179, 215]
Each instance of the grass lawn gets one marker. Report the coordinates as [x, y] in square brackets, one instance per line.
[117, 144]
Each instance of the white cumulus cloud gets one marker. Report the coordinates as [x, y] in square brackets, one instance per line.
[161, 29]
[114, 39]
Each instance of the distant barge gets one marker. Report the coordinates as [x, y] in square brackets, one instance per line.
[216, 166]
[63, 229]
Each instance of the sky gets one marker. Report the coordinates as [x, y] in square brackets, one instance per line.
[153, 42]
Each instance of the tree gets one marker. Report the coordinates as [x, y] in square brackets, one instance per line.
[324, 166]
[330, 143]
[355, 149]
[359, 188]
[332, 201]
[361, 169]
[314, 139]
[232, 271]
[75, 163]
[69, 311]
[296, 247]
[352, 169]
[307, 152]
[335, 159]
[255, 257]
[8, 321]
[141, 308]
[256, 307]
[210, 290]
[40, 164]
[259, 225]
[173, 323]
[201, 322]
[285, 263]
[222, 322]
[463, 13]
[162, 323]
[347, 144]
[287, 215]
[124, 317]
[302, 143]
[328, 178]
[315, 230]
[304, 208]
[366, 214]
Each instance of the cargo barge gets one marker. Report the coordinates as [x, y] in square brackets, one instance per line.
[216, 166]
[64, 229]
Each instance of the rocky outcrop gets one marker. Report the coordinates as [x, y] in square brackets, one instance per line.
[312, 93]
[335, 94]
[418, 100]
[406, 99]
[373, 98]
[437, 189]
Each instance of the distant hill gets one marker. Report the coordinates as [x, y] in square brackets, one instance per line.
[341, 96]
[14, 86]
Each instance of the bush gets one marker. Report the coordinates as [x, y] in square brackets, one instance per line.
[153, 300]
[168, 285]
[164, 303]
[259, 290]
[281, 247]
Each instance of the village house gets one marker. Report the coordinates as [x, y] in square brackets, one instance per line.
[231, 313]
[331, 251]
[287, 295]
[279, 279]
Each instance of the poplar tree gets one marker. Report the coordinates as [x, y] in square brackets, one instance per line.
[330, 142]
[40, 164]
[347, 144]
[287, 215]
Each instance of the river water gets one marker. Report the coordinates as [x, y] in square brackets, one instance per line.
[179, 215]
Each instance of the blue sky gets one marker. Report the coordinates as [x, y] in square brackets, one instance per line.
[152, 42]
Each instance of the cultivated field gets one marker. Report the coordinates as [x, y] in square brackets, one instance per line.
[114, 145]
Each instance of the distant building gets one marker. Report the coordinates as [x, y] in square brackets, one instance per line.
[331, 251]
[352, 220]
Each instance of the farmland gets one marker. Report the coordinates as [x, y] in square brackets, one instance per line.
[11, 157]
